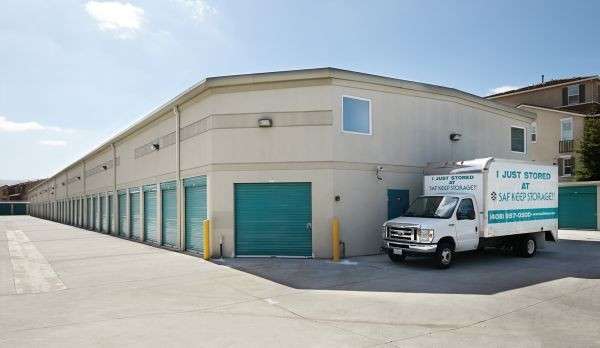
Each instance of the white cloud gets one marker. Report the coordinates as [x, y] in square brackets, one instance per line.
[503, 89]
[15, 127]
[53, 143]
[120, 18]
[200, 9]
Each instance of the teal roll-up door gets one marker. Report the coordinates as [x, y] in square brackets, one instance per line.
[19, 208]
[80, 212]
[169, 213]
[135, 226]
[195, 212]
[109, 213]
[102, 213]
[122, 207]
[150, 230]
[89, 222]
[5, 208]
[577, 207]
[95, 213]
[273, 219]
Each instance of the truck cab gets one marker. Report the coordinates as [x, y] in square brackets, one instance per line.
[448, 220]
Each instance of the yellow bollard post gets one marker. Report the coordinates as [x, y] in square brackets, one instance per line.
[335, 239]
[206, 229]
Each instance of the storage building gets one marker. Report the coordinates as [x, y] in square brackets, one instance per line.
[271, 158]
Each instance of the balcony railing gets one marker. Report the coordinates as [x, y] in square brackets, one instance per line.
[565, 146]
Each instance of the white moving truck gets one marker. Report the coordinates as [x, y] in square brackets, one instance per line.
[469, 205]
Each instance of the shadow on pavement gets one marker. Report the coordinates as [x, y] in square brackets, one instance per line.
[487, 272]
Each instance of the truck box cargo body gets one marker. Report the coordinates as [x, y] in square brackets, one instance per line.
[472, 204]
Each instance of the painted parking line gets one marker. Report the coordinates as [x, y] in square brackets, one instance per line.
[31, 271]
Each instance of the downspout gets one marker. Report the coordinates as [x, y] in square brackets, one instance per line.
[178, 178]
[113, 223]
[67, 201]
[84, 219]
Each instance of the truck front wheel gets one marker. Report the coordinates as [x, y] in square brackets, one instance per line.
[444, 255]
[527, 247]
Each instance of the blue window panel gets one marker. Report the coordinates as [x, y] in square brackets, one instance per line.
[517, 139]
[356, 115]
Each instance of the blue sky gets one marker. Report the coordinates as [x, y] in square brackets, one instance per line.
[72, 73]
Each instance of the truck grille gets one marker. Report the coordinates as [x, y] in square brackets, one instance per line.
[401, 233]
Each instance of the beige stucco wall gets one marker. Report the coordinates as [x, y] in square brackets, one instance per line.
[545, 149]
[414, 128]
[153, 167]
[76, 186]
[362, 208]
[300, 115]
[103, 179]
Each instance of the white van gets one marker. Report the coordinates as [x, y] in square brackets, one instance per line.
[469, 205]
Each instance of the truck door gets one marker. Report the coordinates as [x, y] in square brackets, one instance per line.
[467, 226]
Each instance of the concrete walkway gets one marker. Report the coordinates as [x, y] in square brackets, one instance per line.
[62, 286]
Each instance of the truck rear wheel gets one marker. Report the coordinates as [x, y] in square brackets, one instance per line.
[527, 246]
[444, 255]
[395, 257]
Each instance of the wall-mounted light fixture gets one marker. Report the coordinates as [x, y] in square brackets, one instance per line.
[104, 166]
[78, 178]
[379, 173]
[455, 136]
[155, 146]
[265, 123]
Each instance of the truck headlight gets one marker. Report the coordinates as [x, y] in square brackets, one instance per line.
[425, 235]
[384, 232]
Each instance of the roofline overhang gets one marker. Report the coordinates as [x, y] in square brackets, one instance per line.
[495, 96]
[285, 76]
[552, 110]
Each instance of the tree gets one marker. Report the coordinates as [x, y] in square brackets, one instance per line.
[588, 150]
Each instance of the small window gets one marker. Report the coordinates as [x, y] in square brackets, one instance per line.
[533, 132]
[356, 115]
[573, 94]
[517, 139]
[465, 210]
[567, 166]
[566, 129]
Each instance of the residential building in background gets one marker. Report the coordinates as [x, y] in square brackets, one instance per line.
[577, 94]
[18, 191]
[561, 107]
[270, 159]
[553, 136]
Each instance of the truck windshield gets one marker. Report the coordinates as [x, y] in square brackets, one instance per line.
[439, 207]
